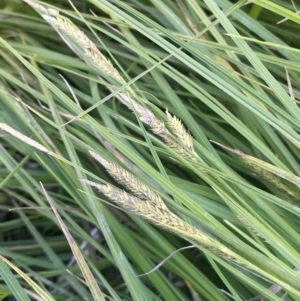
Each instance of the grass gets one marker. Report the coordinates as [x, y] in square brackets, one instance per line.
[184, 116]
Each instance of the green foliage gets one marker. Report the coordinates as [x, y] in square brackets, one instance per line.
[123, 80]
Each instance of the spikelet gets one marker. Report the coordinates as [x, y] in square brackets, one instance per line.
[131, 183]
[164, 219]
[156, 125]
[64, 25]
[290, 196]
[248, 225]
[91, 51]
[24, 138]
[167, 221]
[177, 128]
[269, 174]
[48, 11]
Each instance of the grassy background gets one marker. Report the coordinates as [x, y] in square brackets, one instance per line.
[229, 72]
